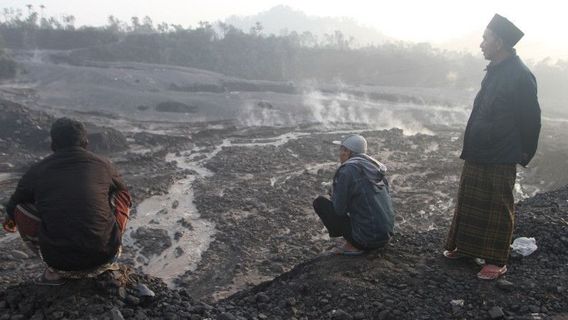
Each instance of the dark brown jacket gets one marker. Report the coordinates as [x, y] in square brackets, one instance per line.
[70, 189]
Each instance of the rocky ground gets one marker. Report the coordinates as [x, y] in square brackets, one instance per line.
[260, 200]
[408, 280]
[265, 260]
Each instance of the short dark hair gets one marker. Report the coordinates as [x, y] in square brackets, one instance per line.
[67, 133]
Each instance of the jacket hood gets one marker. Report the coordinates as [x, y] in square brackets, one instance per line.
[373, 170]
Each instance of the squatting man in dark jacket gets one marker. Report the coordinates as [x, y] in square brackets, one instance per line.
[360, 209]
[70, 208]
[502, 131]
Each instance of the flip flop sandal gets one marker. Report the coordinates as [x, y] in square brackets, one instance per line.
[41, 280]
[352, 253]
[491, 272]
[343, 252]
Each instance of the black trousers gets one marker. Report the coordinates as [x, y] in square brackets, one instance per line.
[337, 226]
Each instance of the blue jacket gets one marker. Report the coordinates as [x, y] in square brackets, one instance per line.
[361, 191]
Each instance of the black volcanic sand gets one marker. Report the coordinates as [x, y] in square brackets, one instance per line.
[260, 200]
[408, 280]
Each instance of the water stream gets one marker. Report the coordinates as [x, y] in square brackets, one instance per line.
[173, 212]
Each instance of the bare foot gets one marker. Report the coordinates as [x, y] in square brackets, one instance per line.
[51, 275]
[349, 247]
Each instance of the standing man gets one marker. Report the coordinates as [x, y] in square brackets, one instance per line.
[70, 208]
[502, 131]
[360, 209]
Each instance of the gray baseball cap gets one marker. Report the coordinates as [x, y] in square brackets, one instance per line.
[356, 143]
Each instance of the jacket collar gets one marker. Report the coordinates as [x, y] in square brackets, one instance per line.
[496, 66]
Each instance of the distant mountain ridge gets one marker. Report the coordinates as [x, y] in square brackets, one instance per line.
[283, 19]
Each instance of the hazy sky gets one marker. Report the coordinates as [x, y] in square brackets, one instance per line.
[543, 22]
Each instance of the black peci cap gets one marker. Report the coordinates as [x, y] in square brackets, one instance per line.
[505, 29]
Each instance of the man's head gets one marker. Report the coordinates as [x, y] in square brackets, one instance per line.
[67, 133]
[354, 144]
[499, 38]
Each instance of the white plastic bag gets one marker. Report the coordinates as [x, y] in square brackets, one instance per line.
[524, 246]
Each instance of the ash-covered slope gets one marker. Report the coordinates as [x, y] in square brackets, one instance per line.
[408, 280]
[24, 136]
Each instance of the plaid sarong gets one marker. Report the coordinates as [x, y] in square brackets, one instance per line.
[111, 265]
[484, 217]
[28, 222]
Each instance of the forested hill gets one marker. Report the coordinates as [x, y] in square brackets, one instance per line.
[254, 54]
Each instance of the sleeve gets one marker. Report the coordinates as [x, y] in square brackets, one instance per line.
[24, 193]
[529, 116]
[342, 191]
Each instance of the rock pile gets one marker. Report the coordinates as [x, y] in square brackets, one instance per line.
[24, 136]
[106, 140]
[23, 128]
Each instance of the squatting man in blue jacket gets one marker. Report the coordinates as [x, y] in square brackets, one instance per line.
[360, 209]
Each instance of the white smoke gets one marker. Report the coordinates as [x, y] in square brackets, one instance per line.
[254, 116]
[333, 110]
[342, 108]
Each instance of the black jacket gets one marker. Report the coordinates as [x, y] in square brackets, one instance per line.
[70, 189]
[504, 125]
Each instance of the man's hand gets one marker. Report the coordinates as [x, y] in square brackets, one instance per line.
[327, 188]
[9, 225]
[524, 159]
